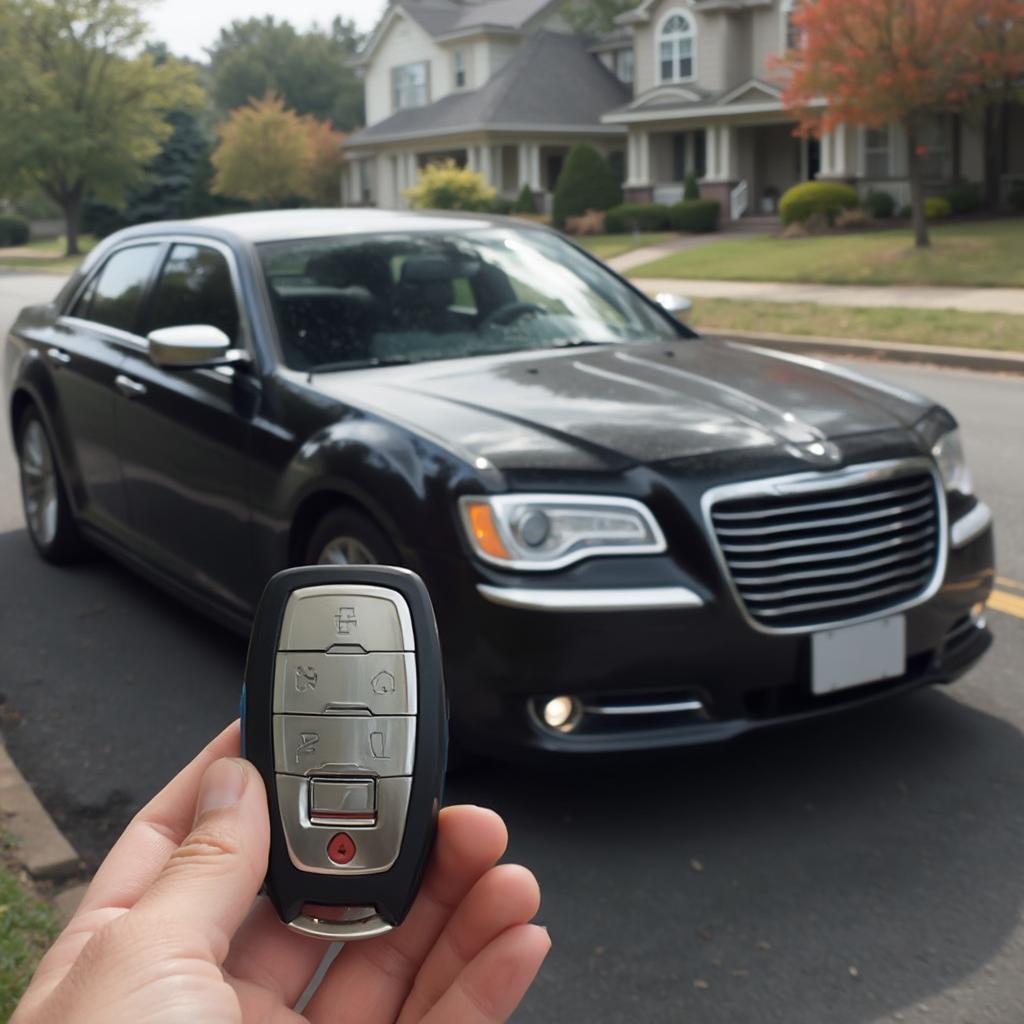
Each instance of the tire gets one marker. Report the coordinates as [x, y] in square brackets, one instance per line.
[48, 515]
[347, 537]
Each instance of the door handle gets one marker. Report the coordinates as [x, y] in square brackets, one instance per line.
[58, 357]
[129, 387]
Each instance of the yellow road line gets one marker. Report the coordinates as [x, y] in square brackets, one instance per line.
[1011, 604]
[1012, 584]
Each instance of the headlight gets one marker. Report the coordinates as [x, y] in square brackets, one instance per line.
[551, 531]
[948, 453]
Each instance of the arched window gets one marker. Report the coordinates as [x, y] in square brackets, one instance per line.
[677, 49]
[792, 37]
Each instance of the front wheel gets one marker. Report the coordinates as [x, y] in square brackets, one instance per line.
[347, 537]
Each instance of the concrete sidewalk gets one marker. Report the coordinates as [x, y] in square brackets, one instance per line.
[967, 300]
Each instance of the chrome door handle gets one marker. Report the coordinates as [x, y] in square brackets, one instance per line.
[58, 357]
[129, 387]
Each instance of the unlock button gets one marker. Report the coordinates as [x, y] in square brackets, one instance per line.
[344, 744]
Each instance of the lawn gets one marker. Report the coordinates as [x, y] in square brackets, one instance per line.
[920, 326]
[46, 255]
[606, 246]
[27, 927]
[979, 253]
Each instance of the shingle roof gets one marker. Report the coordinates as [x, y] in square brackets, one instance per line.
[439, 17]
[551, 82]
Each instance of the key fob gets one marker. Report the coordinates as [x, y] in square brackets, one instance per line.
[344, 716]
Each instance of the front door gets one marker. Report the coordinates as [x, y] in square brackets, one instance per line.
[184, 436]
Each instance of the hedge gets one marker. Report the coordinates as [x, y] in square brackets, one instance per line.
[587, 182]
[1015, 197]
[628, 217]
[13, 230]
[936, 207]
[699, 216]
[826, 198]
[881, 205]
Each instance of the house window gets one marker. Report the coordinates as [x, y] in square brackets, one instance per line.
[624, 66]
[793, 37]
[935, 136]
[459, 68]
[676, 48]
[410, 85]
[876, 152]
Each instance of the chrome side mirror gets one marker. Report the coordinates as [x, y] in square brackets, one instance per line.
[190, 346]
[678, 305]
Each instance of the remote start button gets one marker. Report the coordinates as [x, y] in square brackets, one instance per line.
[341, 849]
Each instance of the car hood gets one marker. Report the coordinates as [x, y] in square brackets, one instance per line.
[605, 406]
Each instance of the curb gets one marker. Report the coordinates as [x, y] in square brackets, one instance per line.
[39, 846]
[893, 351]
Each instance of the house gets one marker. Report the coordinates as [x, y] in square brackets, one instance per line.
[681, 86]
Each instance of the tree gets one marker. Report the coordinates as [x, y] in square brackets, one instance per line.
[78, 112]
[876, 62]
[446, 186]
[326, 158]
[596, 16]
[586, 183]
[311, 71]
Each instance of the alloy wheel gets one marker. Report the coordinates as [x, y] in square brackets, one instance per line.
[39, 483]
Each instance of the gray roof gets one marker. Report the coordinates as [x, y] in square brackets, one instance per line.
[552, 82]
[440, 17]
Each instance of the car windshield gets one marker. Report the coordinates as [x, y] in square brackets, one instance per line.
[405, 297]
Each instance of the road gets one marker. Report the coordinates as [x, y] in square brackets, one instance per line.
[861, 870]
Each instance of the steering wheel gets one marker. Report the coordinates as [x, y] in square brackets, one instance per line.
[509, 312]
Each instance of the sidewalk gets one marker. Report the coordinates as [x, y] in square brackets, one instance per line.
[967, 300]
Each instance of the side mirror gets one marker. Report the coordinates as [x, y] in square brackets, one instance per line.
[191, 346]
[678, 305]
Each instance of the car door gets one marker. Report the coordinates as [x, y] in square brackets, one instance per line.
[84, 351]
[184, 435]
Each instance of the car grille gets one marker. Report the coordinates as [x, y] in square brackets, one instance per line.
[829, 555]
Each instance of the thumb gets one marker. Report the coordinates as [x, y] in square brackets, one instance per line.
[209, 883]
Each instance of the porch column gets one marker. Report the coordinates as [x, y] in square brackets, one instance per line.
[472, 158]
[486, 167]
[534, 168]
[826, 149]
[711, 153]
[729, 164]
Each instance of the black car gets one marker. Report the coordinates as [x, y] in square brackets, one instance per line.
[634, 536]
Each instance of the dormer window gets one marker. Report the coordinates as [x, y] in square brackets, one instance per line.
[677, 48]
[459, 68]
[624, 66]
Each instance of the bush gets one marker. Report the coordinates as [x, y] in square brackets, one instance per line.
[586, 183]
[936, 207]
[965, 197]
[881, 205]
[13, 230]
[501, 206]
[525, 203]
[855, 218]
[1015, 197]
[696, 215]
[450, 187]
[906, 212]
[628, 217]
[691, 190]
[827, 198]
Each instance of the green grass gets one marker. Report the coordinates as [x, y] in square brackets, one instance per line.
[606, 246]
[920, 326]
[46, 256]
[27, 927]
[981, 253]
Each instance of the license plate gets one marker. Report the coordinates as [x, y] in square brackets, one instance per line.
[855, 655]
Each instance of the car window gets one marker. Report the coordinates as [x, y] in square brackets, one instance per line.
[113, 296]
[195, 287]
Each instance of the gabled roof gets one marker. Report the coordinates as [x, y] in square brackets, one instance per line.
[642, 12]
[552, 83]
[688, 100]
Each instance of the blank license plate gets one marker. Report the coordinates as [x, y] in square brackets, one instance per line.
[855, 655]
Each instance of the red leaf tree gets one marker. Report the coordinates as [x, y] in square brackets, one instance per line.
[876, 62]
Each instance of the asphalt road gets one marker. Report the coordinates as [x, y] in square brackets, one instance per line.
[861, 870]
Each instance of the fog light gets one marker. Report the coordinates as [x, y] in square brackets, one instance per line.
[562, 713]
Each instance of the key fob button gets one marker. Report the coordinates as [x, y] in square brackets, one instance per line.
[343, 801]
[320, 618]
[341, 745]
[316, 684]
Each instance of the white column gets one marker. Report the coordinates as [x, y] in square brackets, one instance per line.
[827, 161]
[472, 159]
[711, 154]
[728, 163]
[487, 165]
[533, 168]
[643, 145]
[524, 165]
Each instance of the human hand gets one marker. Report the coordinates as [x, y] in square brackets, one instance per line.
[169, 931]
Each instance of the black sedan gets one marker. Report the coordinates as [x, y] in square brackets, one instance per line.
[634, 537]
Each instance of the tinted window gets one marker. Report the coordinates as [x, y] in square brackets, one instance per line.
[113, 297]
[195, 288]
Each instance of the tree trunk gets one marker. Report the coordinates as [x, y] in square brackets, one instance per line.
[72, 204]
[917, 218]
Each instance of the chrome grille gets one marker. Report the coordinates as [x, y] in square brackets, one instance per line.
[860, 543]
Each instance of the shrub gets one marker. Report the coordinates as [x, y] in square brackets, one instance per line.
[1015, 197]
[501, 206]
[855, 218]
[881, 205]
[905, 212]
[696, 215]
[691, 190]
[586, 183]
[13, 230]
[965, 197]
[525, 203]
[447, 186]
[936, 207]
[591, 223]
[823, 197]
[627, 217]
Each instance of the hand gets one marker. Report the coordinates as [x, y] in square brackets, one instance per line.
[169, 930]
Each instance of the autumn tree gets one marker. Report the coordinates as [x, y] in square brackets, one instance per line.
[877, 62]
[81, 110]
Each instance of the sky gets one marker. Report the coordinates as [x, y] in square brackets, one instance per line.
[189, 26]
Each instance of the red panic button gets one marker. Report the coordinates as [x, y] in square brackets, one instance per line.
[341, 849]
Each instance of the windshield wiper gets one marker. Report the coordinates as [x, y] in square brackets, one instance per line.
[361, 364]
[580, 342]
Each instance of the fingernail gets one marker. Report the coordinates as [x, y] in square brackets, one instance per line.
[222, 786]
